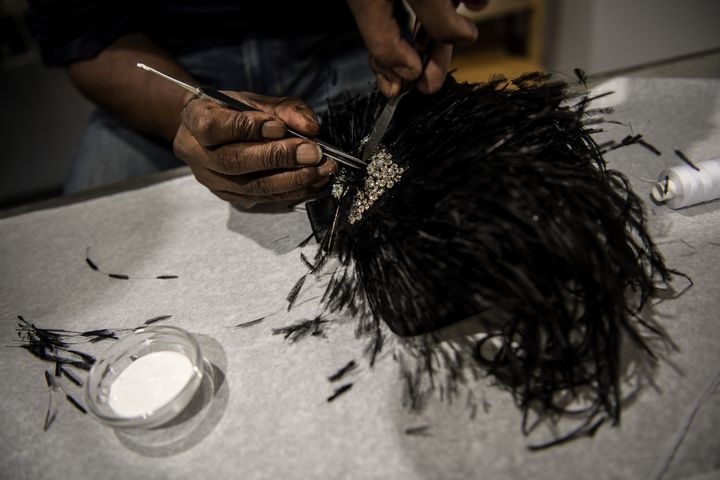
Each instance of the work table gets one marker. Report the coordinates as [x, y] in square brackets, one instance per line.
[269, 416]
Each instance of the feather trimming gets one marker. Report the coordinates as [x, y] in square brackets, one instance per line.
[56, 345]
[505, 209]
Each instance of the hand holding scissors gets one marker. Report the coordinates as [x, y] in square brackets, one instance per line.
[394, 59]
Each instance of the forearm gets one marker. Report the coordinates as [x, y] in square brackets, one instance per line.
[146, 102]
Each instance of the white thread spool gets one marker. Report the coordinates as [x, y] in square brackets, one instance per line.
[683, 186]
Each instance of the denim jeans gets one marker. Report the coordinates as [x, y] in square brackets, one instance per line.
[314, 68]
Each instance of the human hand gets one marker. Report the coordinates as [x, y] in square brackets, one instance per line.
[243, 158]
[393, 59]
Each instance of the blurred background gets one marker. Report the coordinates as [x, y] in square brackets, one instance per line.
[42, 116]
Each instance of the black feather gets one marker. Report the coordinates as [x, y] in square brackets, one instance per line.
[91, 264]
[49, 417]
[75, 404]
[339, 391]
[349, 367]
[505, 209]
[650, 147]
[49, 380]
[251, 323]
[118, 276]
[292, 296]
[685, 159]
[156, 319]
[301, 330]
[307, 263]
[70, 376]
[422, 430]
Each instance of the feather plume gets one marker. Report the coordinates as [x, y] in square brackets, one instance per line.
[503, 210]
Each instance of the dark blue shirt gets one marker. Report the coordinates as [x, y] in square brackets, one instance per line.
[72, 30]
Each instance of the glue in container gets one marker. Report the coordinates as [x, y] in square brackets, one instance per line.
[683, 186]
[145, 379]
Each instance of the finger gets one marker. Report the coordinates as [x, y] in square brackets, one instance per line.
[288, 181]
[388, 83]
[243, 158]
[296, 113]
[390, 53]
[436, 70]
[263, 185]
[212, 124]
[247, 201]
[385, 86]
[443, 23]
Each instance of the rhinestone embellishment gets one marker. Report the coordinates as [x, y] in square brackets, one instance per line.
[382, 175]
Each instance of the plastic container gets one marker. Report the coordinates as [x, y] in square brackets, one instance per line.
[145, 379]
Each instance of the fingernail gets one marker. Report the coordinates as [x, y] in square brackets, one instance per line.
[327, 168]
[273, 129]
[308, 154]
[394, 89]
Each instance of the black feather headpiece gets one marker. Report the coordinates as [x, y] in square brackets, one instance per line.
[492, 201]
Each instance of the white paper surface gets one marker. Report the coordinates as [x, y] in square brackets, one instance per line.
[275, 422]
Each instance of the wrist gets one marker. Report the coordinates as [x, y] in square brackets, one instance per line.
[183, 101]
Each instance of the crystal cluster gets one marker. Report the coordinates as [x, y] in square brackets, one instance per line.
[382, 174]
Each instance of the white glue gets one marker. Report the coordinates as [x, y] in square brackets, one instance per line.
[683, 186]
[149, 382]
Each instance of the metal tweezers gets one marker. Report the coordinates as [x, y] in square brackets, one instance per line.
[208, 93]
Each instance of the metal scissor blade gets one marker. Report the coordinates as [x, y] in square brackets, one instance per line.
[424, 45]
[381, 126]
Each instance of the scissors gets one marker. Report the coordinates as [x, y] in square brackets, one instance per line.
[208, 93]
[424, 45]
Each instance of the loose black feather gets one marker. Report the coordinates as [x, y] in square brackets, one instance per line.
[685, 159]
[156, 319]
[118, 276]
[339, 391]
[349, 367]
[49, 380]
[104, 333]
[307, 263]
[121, 276]
[292, 296]
[70, 376]
[251, 323]
[421, 430]
[581, 76]
[53, 345]
[650, 147]
[303, 329]
[75, 404]
[50, 412]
